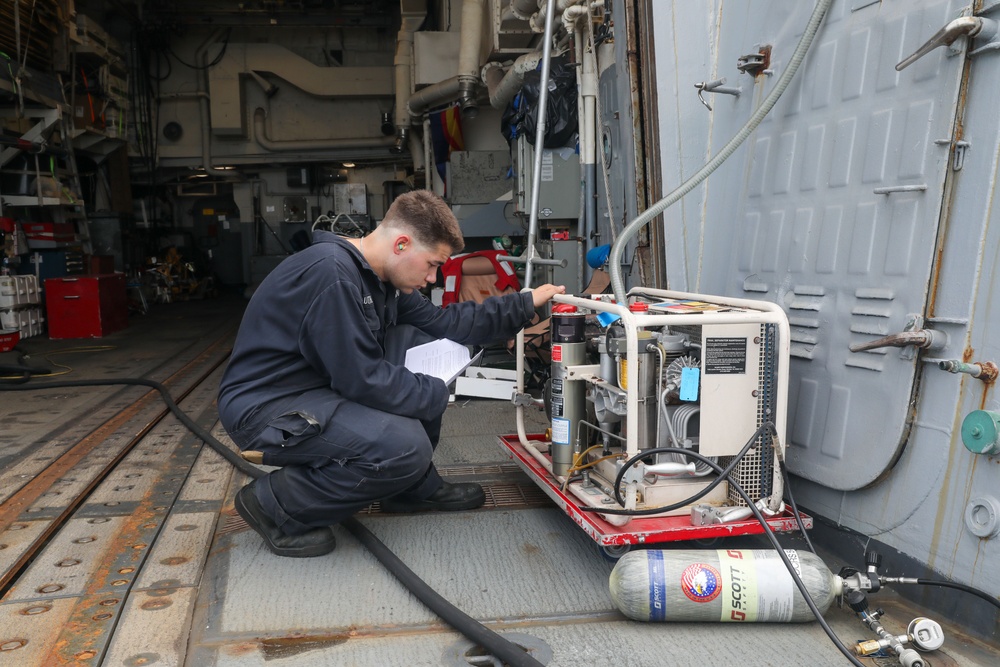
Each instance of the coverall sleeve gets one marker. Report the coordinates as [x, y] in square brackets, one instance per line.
[339, 341]
[469, 323]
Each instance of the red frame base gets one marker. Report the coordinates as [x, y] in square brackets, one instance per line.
[640, 530]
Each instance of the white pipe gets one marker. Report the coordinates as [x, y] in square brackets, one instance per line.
[435, 95]
[571, 15]
[581, 112]
[537, 21]
[403, 82]
[588, 89]
[403, 72]
[468, 55]
[206, 126]
[416, 152]
[524, 9]
[503, 89]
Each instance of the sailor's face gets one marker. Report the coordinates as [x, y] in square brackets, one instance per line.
[417, 266]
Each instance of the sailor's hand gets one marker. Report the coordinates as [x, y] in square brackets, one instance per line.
[543, 293]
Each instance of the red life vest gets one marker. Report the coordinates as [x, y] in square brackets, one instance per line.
[452, 273]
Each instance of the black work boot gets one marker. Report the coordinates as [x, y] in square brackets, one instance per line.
[316, 542]
[450, 497]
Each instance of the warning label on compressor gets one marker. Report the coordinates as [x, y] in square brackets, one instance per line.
[725, 356]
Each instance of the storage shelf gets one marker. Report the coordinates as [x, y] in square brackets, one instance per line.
[32, 200]
[94, 142]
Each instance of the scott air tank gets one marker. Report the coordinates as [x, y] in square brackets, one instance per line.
[734, 585]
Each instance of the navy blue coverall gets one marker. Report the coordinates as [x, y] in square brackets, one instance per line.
[316, 384]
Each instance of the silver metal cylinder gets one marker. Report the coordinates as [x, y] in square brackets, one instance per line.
[569, 402]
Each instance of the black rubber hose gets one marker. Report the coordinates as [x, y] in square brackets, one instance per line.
[795, 508]
[202, 434]
[959, 587]
[509, 652]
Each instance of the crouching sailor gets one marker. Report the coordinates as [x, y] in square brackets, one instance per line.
[316, 381]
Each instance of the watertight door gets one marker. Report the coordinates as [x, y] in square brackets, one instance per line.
[831, 209]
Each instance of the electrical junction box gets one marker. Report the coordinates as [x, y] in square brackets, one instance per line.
[560, 187]
[350, 198]
[478, 177]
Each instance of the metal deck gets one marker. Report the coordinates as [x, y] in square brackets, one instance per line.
[119, 546]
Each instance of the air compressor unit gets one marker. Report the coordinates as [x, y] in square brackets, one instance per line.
[649, 400]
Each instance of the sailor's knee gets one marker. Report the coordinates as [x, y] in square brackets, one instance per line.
[408, 459]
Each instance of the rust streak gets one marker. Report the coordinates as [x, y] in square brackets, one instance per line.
[957, 134]
[30, 492]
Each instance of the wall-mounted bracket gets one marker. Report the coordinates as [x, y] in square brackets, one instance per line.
[717, 86]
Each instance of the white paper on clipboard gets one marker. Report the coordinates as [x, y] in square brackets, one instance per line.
[441, 358]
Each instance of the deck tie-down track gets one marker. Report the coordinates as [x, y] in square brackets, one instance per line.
[87, 532]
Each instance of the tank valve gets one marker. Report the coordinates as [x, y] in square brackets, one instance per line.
[983, 370]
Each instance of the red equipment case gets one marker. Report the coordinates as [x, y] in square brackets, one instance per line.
[86, 306]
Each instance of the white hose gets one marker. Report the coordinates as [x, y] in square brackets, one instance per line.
[618, 249]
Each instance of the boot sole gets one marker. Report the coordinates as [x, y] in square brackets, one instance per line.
[289, 552]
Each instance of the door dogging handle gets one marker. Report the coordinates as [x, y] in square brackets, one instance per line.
[971, 26]
[926, 339]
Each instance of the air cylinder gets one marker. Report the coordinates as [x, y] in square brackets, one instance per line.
[727, 585]
[568, 396]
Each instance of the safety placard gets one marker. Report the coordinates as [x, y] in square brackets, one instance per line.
[725, 356]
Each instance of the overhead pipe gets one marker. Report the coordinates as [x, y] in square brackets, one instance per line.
[502, 86]
[403, 67]
[265, 142]
[468, 56]
[573, 18]
[403, 81]
[206, 126]
[462, 86]
[524, 9]
[435, 95]
[536, 20]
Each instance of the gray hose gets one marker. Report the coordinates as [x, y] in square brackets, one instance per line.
[618, 249]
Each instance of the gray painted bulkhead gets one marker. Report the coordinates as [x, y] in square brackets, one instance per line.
[793, 217]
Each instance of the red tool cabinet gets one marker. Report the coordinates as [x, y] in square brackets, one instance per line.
[86, 306]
